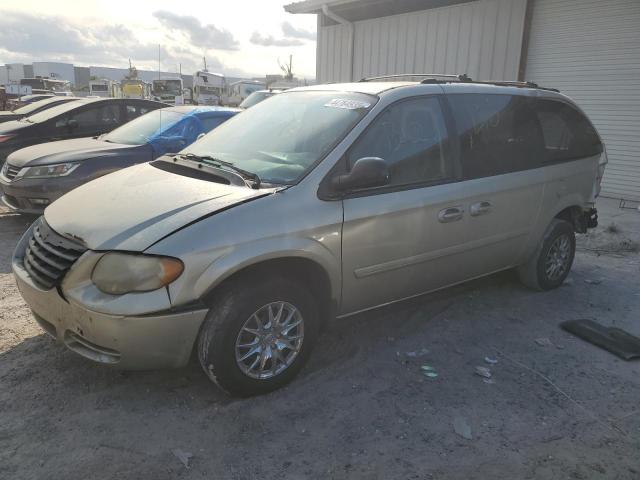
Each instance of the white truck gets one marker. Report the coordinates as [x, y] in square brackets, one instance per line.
[240, 90]
[104, 87]
[168, 90]
[208, 87]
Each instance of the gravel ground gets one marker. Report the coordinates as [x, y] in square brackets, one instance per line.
[558, 407]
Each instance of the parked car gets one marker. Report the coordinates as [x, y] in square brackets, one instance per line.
[257, 97]
[35, 176]
[86, 117]
[27, 99]
[323, 201]
[33, 108]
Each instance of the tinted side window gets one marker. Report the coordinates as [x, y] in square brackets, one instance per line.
[567, 133]
[412, 138]
[498, 134]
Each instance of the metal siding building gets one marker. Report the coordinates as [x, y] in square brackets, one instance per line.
[589, 49]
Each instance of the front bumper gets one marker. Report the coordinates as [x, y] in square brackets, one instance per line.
[157, 340]
[19, 195]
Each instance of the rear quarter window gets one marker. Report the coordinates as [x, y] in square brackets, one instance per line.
[567, 133]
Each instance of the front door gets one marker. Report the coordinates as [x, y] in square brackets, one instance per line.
[407, 237]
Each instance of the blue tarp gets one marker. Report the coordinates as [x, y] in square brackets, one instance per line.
[171, 138]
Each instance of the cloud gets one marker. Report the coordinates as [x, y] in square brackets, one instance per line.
[25, 38]
[207, 36]
[269, 41]
[293, 32]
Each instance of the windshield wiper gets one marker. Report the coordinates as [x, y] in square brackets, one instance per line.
[222, 163]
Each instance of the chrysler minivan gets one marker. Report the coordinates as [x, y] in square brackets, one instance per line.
[322, 202]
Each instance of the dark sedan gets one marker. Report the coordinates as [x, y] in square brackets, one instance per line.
[35, 176]
[33, 108]
[80, 118]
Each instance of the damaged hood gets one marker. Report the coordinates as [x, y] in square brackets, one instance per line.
[133, 208]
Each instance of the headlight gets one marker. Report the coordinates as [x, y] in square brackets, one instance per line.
[57, 170]
[120, 273]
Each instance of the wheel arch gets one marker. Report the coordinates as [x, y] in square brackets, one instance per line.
[302, 268]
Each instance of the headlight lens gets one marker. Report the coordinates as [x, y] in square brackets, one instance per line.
[120, 273]
[57, 170]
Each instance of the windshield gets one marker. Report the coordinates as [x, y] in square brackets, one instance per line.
[144, 128]
[171, 87]
[255, 97]
[282, 139]
[52, 112]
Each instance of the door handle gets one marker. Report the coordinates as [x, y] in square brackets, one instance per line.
[480, 208]
[450, 214]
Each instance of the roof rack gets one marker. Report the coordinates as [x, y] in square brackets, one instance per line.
[433, 76]
[459, 78]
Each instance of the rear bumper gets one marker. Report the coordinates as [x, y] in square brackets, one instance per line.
[157, 340]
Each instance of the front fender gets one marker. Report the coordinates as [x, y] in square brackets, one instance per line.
[271, 249]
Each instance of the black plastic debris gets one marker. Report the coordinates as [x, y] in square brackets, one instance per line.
[612, 339]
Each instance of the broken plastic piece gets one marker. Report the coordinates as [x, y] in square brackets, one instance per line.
[491, 361]
[483, 372]
[431, 374]
[612, 339]
[183, 456]
[543, 342]
[462, 427]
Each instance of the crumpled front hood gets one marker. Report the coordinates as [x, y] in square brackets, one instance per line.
[73, 150]
[135, 207]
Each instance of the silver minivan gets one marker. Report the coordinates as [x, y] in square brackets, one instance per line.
[319, 202]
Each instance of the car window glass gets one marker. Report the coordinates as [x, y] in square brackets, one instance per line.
[411, 137]
[209, 123]
[498, 134]
[567, 133]
[135, 110]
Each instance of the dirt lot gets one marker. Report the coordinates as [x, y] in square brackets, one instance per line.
[558, 408]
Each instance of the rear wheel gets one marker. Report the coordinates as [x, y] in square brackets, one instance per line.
[553, 259]
[258, 335]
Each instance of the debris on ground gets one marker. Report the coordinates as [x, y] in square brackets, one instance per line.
[544, 342]
[567, 282]
[183, 456]
[615, 340]
[429, 371]
[483, 372]
[462, 427]
[418, 353]
[490, 381]
[490, 360]
[597, 281]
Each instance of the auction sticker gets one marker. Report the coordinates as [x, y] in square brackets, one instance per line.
[347, 104]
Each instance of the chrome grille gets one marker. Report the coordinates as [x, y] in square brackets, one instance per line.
[49, 256]
[10, 172]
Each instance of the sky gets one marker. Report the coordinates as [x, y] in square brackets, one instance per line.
[237, 37]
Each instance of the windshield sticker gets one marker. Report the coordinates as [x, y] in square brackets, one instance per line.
[347, 104]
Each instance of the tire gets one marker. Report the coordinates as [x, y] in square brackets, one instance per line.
[234, 308]
[551, 263]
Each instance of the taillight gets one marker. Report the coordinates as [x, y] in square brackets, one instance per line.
[4, 138]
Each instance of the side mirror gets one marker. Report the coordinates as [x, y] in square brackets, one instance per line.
[367, 172]
[72, 124]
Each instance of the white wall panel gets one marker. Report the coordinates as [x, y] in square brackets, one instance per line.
[590, 50]
[482, 38]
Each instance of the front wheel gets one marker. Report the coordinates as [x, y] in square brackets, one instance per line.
[258, 335]
[551, 263]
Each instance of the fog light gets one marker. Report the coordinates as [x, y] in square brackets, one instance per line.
[39, 201]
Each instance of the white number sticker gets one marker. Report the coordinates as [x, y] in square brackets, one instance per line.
[347, 104]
